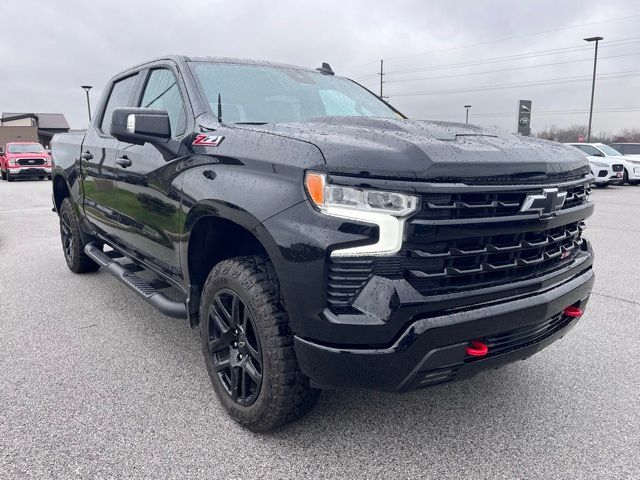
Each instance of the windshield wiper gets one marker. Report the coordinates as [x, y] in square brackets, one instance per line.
[250, 123]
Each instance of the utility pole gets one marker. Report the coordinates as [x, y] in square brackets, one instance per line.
[86, 89]
[467, 107]
[381, 77]
[593, 82]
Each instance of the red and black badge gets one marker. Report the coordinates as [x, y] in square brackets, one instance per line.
[207, 140]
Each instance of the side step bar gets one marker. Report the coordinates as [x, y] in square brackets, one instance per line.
[156, 298]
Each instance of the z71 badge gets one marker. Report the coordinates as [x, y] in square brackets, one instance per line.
[207, 140]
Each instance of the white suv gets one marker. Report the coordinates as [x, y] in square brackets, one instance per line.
[608, 155]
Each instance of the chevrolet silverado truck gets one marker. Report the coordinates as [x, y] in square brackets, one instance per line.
[316, 236]
[24, 160]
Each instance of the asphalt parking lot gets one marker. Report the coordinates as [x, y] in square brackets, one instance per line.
[94, 383]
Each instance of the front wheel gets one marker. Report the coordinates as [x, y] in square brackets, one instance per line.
[3, 174]
[625, 177]
[8, 176]
[248, 346]
[72, 242]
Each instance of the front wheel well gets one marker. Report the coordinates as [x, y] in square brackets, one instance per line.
[60, 191]
[214, 239]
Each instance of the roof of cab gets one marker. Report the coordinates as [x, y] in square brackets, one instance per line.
[183, 59]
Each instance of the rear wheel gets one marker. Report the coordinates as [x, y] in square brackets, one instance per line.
[4, 175]
[248, 346]
[72, 242]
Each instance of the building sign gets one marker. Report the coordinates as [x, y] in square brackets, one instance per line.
[524, 117]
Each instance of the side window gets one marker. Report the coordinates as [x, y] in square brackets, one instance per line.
[588, 149]
[162, 92]
[119, 97]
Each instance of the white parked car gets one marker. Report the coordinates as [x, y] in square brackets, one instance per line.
[605, 170]
[605, 153]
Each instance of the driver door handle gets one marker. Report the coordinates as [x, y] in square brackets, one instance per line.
[123, 161]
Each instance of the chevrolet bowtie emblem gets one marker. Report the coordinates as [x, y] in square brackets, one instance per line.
[549, 201]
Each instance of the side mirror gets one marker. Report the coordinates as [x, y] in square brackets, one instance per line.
[598, 154]
[1, 151]
[140, 125]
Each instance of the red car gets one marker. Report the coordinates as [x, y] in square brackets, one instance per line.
[25, 159]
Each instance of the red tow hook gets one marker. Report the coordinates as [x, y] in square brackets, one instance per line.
[477, 349]
[572, 311]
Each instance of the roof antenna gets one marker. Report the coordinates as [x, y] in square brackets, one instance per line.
[325, 69]
[219, 109]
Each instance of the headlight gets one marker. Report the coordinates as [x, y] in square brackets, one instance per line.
[325, 196]
[599, 164]
[388, 210]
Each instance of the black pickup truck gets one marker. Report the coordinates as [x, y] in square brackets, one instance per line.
[318, 237]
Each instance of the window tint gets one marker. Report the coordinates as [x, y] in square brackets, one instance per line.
[119, 97]
[162, 92]
[588, 149]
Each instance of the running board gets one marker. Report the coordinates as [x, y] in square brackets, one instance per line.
[150, 293]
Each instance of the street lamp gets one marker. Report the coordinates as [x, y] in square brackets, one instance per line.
[467, 107]
[86, 90]
[593, 82]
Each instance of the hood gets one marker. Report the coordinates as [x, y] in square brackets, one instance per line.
[26, 155]
[443, 151]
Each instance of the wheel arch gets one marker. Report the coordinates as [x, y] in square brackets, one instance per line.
[216, 231]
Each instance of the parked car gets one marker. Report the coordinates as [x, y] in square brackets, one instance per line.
[627, 149]
[23, 160]
[605, 171]
[631, 173]
[318, 237]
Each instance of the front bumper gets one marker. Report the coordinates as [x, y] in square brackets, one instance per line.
[633, 170]
[431, 350]
[28, 171]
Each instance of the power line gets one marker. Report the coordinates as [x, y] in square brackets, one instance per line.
[549, 81]
[541, 112]
[518, 56]
[506, 69]
[497, 40]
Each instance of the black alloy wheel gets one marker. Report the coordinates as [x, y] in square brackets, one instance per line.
[66, 235]
[235, 347]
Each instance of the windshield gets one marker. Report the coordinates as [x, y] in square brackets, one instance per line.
[265, 94]
[26, 148]
[607, 150]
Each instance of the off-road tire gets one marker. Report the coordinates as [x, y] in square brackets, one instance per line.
[77, 260]
[285, 394]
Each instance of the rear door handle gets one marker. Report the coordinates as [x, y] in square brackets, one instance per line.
[86, 155]
[123, 161]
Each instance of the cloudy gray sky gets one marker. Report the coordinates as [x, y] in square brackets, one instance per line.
[50, 48]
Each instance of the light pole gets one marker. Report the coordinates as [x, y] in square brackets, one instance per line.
[86, 90]
[467, 107]
[593, 82]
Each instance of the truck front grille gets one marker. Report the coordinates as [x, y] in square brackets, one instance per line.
[474, 262]
[470, 241]
[469, 205]
[28, 162]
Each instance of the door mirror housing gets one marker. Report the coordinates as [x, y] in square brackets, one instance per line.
[1, 151]
[140, 125]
